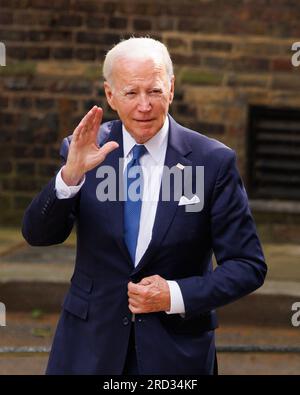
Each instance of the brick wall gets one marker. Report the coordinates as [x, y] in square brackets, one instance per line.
[227, 54]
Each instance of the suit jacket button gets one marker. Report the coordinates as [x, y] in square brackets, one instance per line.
[125, 321]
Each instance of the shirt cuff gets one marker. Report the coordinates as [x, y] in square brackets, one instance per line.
[177, 304]
[64, 191]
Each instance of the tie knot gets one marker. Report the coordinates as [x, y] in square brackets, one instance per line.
[138, 151]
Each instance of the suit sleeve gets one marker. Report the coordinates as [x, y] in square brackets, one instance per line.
[49, 220]
[240, 260]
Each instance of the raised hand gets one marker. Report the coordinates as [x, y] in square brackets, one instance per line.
[84, 153]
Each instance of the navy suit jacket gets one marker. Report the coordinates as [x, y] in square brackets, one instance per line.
[94, 326]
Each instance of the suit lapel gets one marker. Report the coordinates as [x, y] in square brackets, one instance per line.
[115, 210]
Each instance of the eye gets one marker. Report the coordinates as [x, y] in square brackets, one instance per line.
[156, 91]
[130, 93]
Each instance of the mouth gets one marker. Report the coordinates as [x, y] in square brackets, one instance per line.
[144, 120]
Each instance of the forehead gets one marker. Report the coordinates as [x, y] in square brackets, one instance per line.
[138, 71]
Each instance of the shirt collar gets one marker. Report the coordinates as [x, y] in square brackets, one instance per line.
[156, 146]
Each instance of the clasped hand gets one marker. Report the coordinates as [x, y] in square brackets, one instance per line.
[150, 295]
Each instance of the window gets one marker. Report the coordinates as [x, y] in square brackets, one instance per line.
[274, 153]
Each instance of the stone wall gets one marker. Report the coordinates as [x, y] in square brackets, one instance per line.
[227, 54]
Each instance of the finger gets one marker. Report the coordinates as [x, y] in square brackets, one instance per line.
[93, 123]
[97, 120]
[90, 126]
[89, 117]
[108, 148]
[94, 127]
[135, 297]
[82, 124]
[132, 309]
[135, 289]
[145, 281]
[100, 156]
[131, 289]
[149, 279]
[133, 302]
[84, 130]
[135, 310]
[76, 134]
[89, 123]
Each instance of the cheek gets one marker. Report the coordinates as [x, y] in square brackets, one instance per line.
[123, 111]
[127, 108]
[163, 104]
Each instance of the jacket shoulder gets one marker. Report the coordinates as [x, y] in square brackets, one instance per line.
[206, 146]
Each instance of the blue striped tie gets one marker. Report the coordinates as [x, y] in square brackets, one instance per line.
[133, 204]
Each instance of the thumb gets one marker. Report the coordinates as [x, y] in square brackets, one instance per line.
[108, 147]
[104, 151]
[145, 281]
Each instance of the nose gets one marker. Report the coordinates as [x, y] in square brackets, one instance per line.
[144, 104]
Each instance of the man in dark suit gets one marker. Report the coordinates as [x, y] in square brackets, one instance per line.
[143, 294]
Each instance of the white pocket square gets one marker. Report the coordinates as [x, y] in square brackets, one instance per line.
[184, 200]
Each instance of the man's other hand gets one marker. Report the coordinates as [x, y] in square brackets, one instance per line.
[150, 295]
[84, 153]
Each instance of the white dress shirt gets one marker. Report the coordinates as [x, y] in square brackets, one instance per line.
[152, 163]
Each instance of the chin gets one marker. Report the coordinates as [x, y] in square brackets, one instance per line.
[149, 133]
[145, 132]
[142, 138]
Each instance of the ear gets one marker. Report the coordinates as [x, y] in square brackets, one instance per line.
[109, 95]
[171, 96]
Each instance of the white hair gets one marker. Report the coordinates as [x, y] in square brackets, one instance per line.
[137, 48]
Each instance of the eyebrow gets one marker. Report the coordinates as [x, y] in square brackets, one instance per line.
[130, 88]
